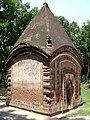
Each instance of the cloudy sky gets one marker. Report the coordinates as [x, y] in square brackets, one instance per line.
[72, 10]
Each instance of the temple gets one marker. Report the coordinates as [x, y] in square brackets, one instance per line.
[44, 67]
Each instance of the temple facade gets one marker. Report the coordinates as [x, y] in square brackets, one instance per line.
[44, 67]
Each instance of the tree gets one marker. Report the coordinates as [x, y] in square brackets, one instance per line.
[85, 37]
[81, 39]
[72, 29]
[64, 22]
[14, 17]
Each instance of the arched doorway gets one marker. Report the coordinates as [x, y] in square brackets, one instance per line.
[69, 91]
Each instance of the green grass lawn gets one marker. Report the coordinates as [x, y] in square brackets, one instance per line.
[85, 109]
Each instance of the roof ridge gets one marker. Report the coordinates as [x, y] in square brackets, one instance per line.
[47, 22]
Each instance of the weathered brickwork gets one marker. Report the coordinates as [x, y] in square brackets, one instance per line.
[44, 68]
[66, 74]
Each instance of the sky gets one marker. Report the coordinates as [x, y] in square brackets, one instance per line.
[72, 10]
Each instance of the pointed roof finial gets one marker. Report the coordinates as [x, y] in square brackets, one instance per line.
[45, 4]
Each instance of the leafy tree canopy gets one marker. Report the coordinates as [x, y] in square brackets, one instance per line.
[14, 17]
[81, 39]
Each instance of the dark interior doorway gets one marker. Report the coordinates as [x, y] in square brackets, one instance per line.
[69, 91]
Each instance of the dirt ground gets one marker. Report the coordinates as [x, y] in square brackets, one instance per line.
[12, 113]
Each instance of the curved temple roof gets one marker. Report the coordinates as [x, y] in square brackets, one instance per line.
[45, 32]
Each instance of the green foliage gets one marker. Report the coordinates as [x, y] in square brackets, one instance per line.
[85, 37]
[72, 29]
[64, 22]
[14, 17]
[81, 39]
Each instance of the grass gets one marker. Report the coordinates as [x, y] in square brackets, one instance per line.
[85, 109]
[3, 91]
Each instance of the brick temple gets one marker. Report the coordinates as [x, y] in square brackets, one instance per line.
[44, 67]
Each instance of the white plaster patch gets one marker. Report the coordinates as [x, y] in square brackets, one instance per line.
[28, 38]
[27, 72]
[37, 36]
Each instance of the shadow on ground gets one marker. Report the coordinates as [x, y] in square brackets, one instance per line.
[9, 115]
[64, 118]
